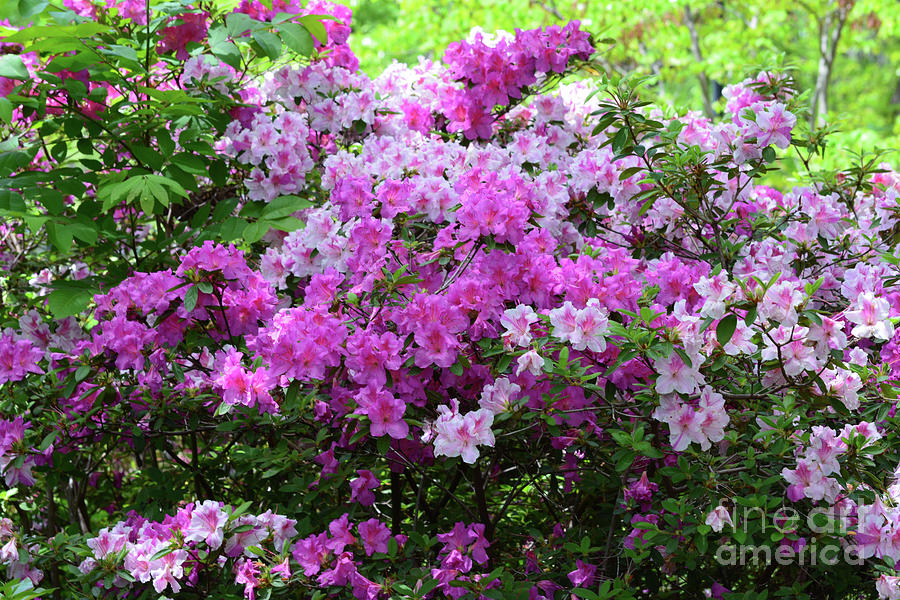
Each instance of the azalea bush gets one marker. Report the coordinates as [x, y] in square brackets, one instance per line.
[469, 329]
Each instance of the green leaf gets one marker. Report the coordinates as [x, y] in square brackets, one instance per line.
[239, 23]
[751, 316]
[228, 53]
[13, 161]
[725, 329]
[125, 52]
[218, 172]
[296, 38]
[232, 228]
[174, 186]
[684, 357]
[200, 217]
[158, 193]
[190, 298]
[586, 594]
[12, 67]
[284, 206]
[190, 163]
[29, 8]
[563, 361]
[148, 156]
[6, 110]
[286, 224]
[269, 42]
[76, 88]
[148, 202]
[629, 172]
[313, 24]
[85, 232]
[293, 391]
[70, 300]
[240, 510]
[47, 441]
[701, 543]
[623, 357]
[60, 235]
[82, 372]
[252, 209]
[619, 141]
[163, 552]
[76, 62]
[253, 232]
[75, 32]
[35, 223]
[171, 96]
[52, 200]
[625, 460]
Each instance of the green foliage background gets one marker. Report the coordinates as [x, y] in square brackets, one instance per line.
[735, 38]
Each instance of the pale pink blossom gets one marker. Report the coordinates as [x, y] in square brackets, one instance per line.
[459, 435]
[498, 396]
[676, 376]
[718, 518]
[532, 362]
[888, 587]
[517, 322]
[716, 291]
[207, 524]
[871, 317]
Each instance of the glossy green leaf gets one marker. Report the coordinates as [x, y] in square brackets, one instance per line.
[313, 24]
[12, 67]
[254, 232]
[297, 38]
[190, 298]
[725, 329]
[269, 43]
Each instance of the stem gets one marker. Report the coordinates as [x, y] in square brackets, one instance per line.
[52, 530]
[481, 502]
[396, 503]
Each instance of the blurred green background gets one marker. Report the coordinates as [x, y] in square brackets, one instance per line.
[845, 52]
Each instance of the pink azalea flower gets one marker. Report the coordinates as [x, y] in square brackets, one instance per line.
[718, 517]
[384, 411]
[888, 587]
[374, 535]
[675, 376]
[207, 524]
[532, 362]
[247, 572]
[871, 317]
[283, 568]
[361, 487]
[583, 575]
[460, 435]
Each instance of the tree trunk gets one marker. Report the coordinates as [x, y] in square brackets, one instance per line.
[831, 25]
[690, 21]
[895, 100]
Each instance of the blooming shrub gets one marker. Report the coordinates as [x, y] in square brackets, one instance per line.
[273, 328]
